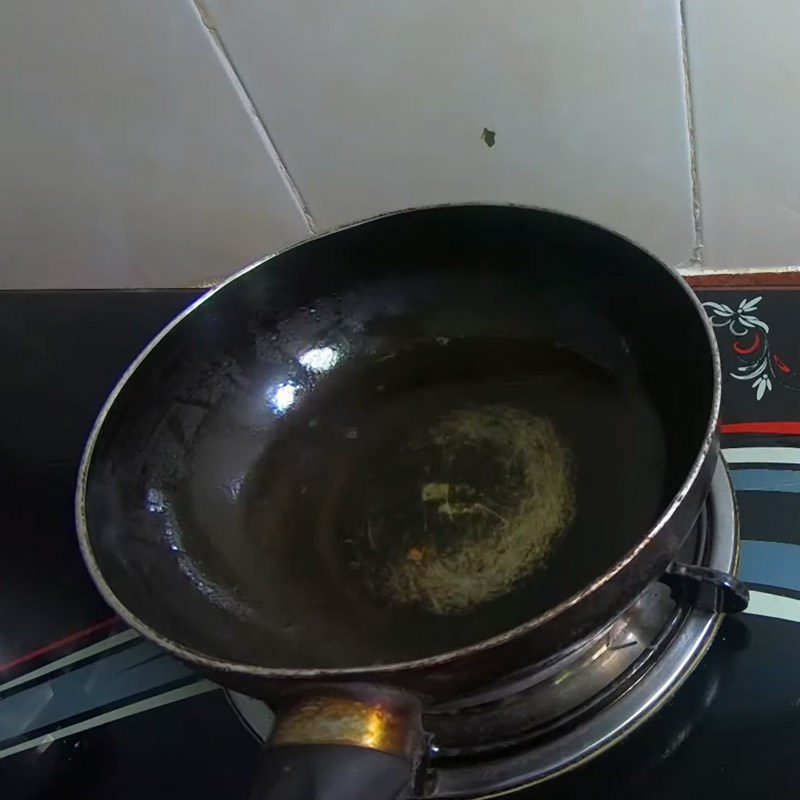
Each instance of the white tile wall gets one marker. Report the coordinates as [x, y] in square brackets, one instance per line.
[745, 73]
[127, 156]
[378, 106]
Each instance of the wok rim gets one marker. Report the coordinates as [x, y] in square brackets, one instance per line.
[255, 670]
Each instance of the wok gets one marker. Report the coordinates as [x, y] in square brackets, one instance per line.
[397, 462]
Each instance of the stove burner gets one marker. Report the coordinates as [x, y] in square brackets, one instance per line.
[553, 716]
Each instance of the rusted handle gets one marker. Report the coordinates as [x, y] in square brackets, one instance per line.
[341, 746]
[382, 723]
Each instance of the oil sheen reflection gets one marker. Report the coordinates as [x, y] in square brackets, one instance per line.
[317, 360]
[283, 396]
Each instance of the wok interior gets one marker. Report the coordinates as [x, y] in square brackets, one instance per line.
[399, 439]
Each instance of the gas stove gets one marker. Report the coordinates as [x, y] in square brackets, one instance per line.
[553, 716]
[690, 700]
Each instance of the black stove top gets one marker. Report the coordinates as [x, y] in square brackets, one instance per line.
[88, 709]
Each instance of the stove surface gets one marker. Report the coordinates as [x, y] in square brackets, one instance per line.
[88, 709]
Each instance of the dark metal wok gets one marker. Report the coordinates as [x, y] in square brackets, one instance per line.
[400, 461]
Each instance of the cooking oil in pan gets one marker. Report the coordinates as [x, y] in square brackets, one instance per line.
[445, 492]
[498, 532]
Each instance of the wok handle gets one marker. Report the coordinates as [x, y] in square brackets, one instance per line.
[341, 746]
[331, 772]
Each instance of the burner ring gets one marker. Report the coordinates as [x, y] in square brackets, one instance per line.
[607, 726]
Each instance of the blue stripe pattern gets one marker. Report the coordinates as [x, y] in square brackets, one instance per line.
[766, 480]
[112, 678]
[771, 564]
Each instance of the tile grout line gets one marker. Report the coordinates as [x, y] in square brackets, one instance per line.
[697, 209]
[206, 20]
